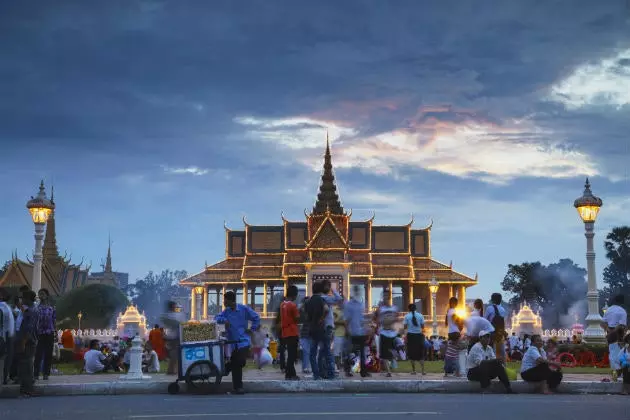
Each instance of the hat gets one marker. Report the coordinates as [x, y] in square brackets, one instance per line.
[483, 332]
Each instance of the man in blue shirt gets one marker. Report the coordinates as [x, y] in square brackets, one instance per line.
[354, 315]
[236, 318]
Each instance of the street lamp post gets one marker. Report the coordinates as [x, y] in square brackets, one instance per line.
[588, 208]
[79, 316]
[40, 208]
[433, 288]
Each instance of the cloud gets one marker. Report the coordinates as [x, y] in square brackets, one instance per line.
[604, 83]
[437, 138]
[190, 170]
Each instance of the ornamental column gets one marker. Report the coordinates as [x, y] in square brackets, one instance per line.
[205, 302]
[463, 294]
[368, 290]
[391, 295]
[193, 304]
[265, 299]
[223, 296]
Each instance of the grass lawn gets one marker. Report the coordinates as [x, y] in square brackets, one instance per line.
[403, 367]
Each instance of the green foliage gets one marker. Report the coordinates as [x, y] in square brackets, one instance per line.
[99, 304]
[616, 275]
[554, 288]
[151, 293]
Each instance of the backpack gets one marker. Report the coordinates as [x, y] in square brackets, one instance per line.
[498, 322]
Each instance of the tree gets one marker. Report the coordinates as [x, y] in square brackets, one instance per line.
[557, 290]
[99, 304]
[616, 275]
[151, 293]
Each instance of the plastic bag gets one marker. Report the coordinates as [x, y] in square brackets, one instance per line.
[511, 374]
[265, 358]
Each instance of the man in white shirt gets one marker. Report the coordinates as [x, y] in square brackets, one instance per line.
[513, 341]
[614, 323]
[474, 325]
[94, 359]
[7, 332]
[483, 365]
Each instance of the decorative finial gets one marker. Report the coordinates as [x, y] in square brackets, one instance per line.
[451, 264]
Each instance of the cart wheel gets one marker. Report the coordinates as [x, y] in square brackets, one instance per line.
[203, 377]
[173, 388]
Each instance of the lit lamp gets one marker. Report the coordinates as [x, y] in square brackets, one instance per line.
[79, 316]
[605, 308]
[588, 208]
[433, 288]
[40, 208]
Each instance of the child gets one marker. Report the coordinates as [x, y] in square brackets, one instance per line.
[451, 358]
[624, 359]
[552, 352]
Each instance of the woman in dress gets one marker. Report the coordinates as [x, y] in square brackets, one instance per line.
[414, 324]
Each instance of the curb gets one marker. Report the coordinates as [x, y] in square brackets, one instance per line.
[309, 386]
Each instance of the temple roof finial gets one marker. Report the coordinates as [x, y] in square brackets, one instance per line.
[327, 198]
[108, 261]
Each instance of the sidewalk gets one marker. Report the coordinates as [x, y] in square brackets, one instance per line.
[270, 381]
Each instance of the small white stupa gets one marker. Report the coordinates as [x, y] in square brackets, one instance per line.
[526, 321]
[132, 323]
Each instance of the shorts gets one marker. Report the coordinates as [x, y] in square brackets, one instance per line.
[386, 347]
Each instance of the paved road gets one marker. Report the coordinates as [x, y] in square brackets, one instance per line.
[314, 406]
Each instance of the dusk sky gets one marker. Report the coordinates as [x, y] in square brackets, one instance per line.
[158, 120]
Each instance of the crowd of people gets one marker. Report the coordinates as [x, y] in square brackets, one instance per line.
[333, 336]
[329, 334]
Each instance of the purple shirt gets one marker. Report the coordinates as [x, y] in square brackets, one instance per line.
[47, 319]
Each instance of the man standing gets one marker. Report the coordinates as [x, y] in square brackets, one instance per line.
[305, 339]
[483, 365]
[172, 320]
[614, 323]
[46, 334]
[26, 341]
[332, 298]
[317, 311]
[289, 318]
[236, 318]
[7, 334]
[353, 313]
[495, 313]
[386, 316]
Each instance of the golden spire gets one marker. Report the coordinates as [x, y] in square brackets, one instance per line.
[328, 199]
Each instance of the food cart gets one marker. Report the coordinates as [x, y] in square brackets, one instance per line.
[201, 358]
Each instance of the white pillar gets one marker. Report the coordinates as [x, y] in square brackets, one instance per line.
[594, 331]
[38, 257]
[135, 361]
[368, 286]
[434, 313]
[265, 299]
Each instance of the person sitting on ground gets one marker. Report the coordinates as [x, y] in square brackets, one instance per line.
[95, 360]
[151, 361]
[536, 366]
[483, 365]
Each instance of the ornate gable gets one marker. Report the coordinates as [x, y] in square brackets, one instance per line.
[327, 237]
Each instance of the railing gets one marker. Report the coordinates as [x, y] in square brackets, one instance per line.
[91, 333]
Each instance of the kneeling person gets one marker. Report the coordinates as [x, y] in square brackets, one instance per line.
[483, 365]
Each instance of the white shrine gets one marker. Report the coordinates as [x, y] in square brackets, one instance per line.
[526, 322]
[132, 323]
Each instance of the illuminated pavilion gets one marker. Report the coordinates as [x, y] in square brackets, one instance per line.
[262, 261]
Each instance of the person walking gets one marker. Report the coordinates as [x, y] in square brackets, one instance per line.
[387, 315]
[317, 312]
[496, 314]
[353, 314]
[289, 318]
[305, 340]
[46, 335]
[26, 343]
[237, 318]
[171, 320]
[416, 350]
[614, 323]
[454, 325]
[7, 335]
